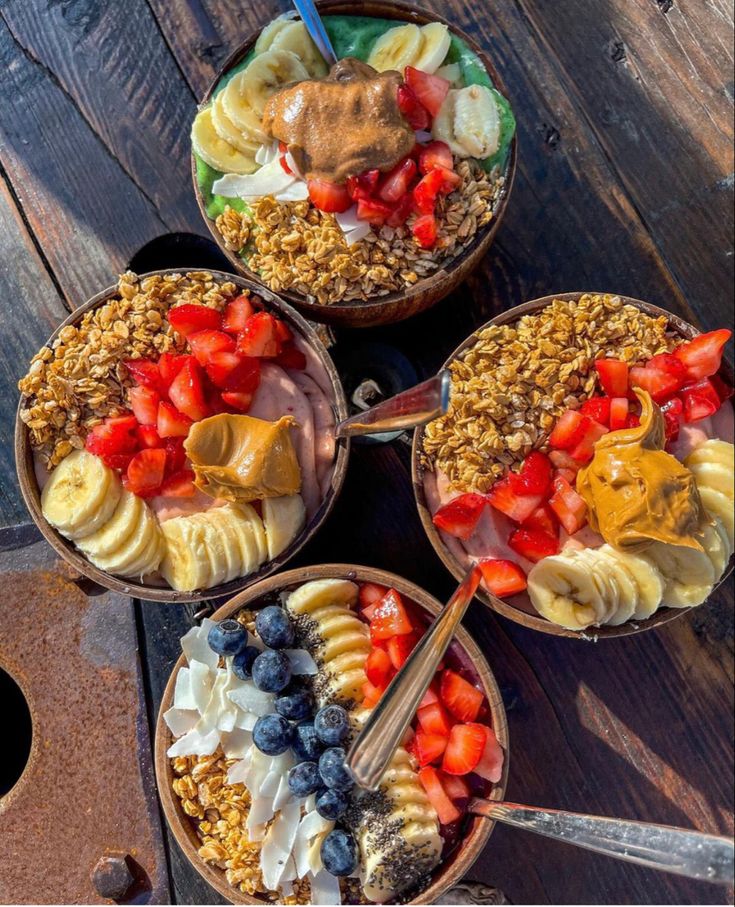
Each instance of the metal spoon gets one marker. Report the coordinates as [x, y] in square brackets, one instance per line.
[415, 406]
[314, 25]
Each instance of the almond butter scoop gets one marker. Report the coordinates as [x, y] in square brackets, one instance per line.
[343, 124]
[636, 493]
[240, 458]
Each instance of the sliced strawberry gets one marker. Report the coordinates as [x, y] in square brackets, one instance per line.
[373, 211]
[204, 344]
[390, 618]
[672, 411]
[502, 578]
[543, 519]
[378, 667]
[371, 694]
[425, 229]
[236, 313]
[259, 337]
[461, 515]
[363, 185]
[119, 461]
[585, 449]
[446, 811]
[569, 474]
[435, 154]
[145, 373]
[428, 748]
[238, 400]
[490, 766]
[175, 454]
[436, 182]
[700, 400]
[568, 505]
[400, 647]
[395, 183]
[659, 385]
[724, 390]
[464, 749]
[291, 357]
[233, 372]
[431, 90]
[534, 476]
[402, 211]
[327, 196]
[618, 412]
[569, 429]
[187, 392]
[283, 331]
[179, 484]
[170, 422]
[669, 363]
[145, 472]
[169, 366]
[189, 318]
[613, 375]
[455, 787]
[371, 594]
[633, 421]
[434, 719]
[597, 408]
[702, 356]
[516, 506]
[412, 109]
[561, 459]
[148, 436]
[533, 545]
[144, 403]
[461, 698]
[431, 696]
[116, 435]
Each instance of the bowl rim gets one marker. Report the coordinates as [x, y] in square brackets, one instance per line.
[462, 858]
[371, 309]
[31, 494]
[535, 621]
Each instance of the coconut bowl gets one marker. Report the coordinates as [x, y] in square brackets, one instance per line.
[427, 292]
[476, 830]
[519, 608]
[163, 593]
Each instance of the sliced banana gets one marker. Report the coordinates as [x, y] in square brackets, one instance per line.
[443, 126]
[127, 556]
[116, 532]
[435, 42]
[248, 527]
[239, 111]
[283, 519]
[452, 72]
[718, 504]
[714, 475]
[266, 74]
[228, 132]
[148, 561]
[648, 579]
[469, 122]
[320, 593]
[185, 565]
[714, 450]
[214, 542]
[688, 574]
[215, 151]
[396, 49]
[715, 542]
[562, 590]
[626, 588]
[224, 522]
[603, 580]
[268, 35]
[80, 495]
[295, 38]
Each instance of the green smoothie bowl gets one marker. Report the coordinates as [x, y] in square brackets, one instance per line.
[362, 192]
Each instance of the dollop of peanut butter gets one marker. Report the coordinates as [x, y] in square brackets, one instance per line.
[343, 124]
[636, 493]
[240, 458]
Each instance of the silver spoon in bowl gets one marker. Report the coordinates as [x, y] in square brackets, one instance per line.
[314, 25]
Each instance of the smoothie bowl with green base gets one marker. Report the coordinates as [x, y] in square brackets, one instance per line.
[365, 193]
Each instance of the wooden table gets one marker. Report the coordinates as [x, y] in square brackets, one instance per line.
[625, 183]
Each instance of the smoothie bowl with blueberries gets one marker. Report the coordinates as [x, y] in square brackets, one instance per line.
[254, 727]
[364, 191]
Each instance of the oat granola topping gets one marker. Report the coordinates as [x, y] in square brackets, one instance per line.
[510, 386]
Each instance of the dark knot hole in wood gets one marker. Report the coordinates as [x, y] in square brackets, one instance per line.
[17, 748]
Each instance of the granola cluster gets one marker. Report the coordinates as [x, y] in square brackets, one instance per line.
[81, 378]
[510, 386]
[295, 247]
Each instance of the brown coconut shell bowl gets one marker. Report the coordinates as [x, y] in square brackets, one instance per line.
[426, 293]
[163, 593]
[519, 608]
[473, 835]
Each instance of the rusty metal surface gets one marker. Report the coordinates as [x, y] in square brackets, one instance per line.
[87, 790]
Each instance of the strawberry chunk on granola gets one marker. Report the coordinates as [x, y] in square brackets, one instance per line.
[190, 317]
[329, 197]
[613, 374]
[237, 311]
[426, 230]
[259, 337]
[204, 344]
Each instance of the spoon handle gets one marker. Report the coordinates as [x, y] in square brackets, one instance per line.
[678, 850]
[415, 406]
[383, 731]
[314, 25]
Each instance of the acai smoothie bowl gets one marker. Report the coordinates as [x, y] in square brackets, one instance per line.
[362, 192]
[585, 463]
[175, 437]
[254, 727]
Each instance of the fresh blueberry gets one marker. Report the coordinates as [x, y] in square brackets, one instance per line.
[272, 735]
[332, 725]
[271, 671]
[306, 744]
[331, 804]
[274, 627]
[296, 705]
[227, 637]
[304, 779]
[333, 770]
[339, 853]
[242, 663]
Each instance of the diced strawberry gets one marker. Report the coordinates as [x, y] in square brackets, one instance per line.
[144, 403]
[189, 318]
[532, 544]
[179, 485]
[516, 506]
[412, 109]
[204, 344]
[291, 357]
[569, 429]
[700, 400]
[434, 719]
[461, 515]
[259, 336]
[431, 90]
[169, 366]
[283, 331]
[371, 694]
[371, 594]
[534, 476]
[561, 459]
[618, 412]
[400, 647]
[395, 184]
[145, 472]
[672, 411]
[119, 461]
[569, 474]
[175, 454]
[373, 211]
[659, 385]
[172, 423]
[327, 196]
[148, 436]
[568, 505]
[446, 811]
[633, 421]
[455, 787]
[187, 392]
[363, 185]
[490, 766]
[502, 578]
[239, 400]
[431, 696]
[390, 618]
[464, 749]
[145, 373]
[116, 435]
[585, 449]
[436, 182]
[597, 408]
[703, 355]
[543, 519]
[378, 667]
[233, 372]
[724, 390]
[435, 154]
[402, 211]
[669, 363]
[425, 229]
[461, 698]
[237, 312]
[428, 747]
[613, 376]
